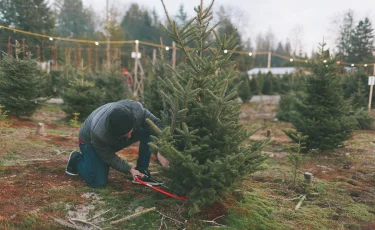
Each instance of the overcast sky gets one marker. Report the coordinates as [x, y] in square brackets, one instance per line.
[282, 17]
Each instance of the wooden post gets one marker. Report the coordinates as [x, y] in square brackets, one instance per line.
[40, 130]
[79, 58]
[89, 57]
[23, 48]
[55, 61]
[371, 83]
[154, 56]
[173, 55]
[38, 52]
[97, 60]
[108, 42]
[136, 69]
[161, 51]
[308, 177]
[153, 60]
[269, 61]
[42, 56]
[10, 51]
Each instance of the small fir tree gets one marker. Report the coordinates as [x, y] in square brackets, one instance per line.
[86, 92]
[21, 83]
[322, 114]
[152, 97]
[81, 96]
[203, 140]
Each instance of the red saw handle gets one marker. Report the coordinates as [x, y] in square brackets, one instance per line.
[160, 190]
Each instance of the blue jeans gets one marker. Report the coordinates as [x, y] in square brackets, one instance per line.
[95, 171]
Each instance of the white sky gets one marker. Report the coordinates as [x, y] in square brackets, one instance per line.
[279, 16]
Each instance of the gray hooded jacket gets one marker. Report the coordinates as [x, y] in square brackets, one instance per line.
[94, 131]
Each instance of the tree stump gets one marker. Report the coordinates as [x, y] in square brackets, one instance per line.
[308, 177]
[268, 133]
[40, 129]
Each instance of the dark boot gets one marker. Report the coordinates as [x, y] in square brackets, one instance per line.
[71, 168]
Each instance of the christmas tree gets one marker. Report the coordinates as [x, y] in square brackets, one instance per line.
[86, 92]
[204, 141]
[322, 113]
[21, 83]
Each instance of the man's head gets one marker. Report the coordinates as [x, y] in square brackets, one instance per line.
[120, 122]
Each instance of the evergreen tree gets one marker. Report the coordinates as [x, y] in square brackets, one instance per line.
[322, 113]
[139, 24]
[74, 20]
[21, 83]
[268, 84]
[344, 41]
[242, 82]
[87, 92]
[203, 138]
[362, 42]
[181, 17]
[152, 96]
[29, 15]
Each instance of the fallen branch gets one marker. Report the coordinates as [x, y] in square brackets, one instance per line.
[161, 222]
[93, 218]
[214, 221]
[36, 159]
[133, 215]
[170, 218]
[113, 217]
[66, 224]
[300, 202]
[85, 222]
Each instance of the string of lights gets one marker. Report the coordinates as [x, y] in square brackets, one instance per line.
[99, 42]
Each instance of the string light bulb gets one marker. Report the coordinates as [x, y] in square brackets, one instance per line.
[325, 61]
[250, 54]
[136, 41]
[167, 48]
[365, 65]
[352, 65]
[291, 60]
[51, 38]
[225, 51]
[97, 43]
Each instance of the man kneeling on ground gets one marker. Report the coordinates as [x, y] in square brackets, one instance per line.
[107, 130]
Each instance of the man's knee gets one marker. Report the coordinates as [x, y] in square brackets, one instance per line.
[96, 181]
[97, 184]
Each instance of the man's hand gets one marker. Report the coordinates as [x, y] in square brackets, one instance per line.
[136, 173]
[162, 160]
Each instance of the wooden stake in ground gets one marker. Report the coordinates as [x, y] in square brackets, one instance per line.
[308, 177]
[40, 129]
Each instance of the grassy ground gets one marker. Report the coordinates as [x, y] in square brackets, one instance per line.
[35, 193]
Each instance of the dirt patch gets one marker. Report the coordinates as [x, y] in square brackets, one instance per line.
[23, 189]
[217, 209]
